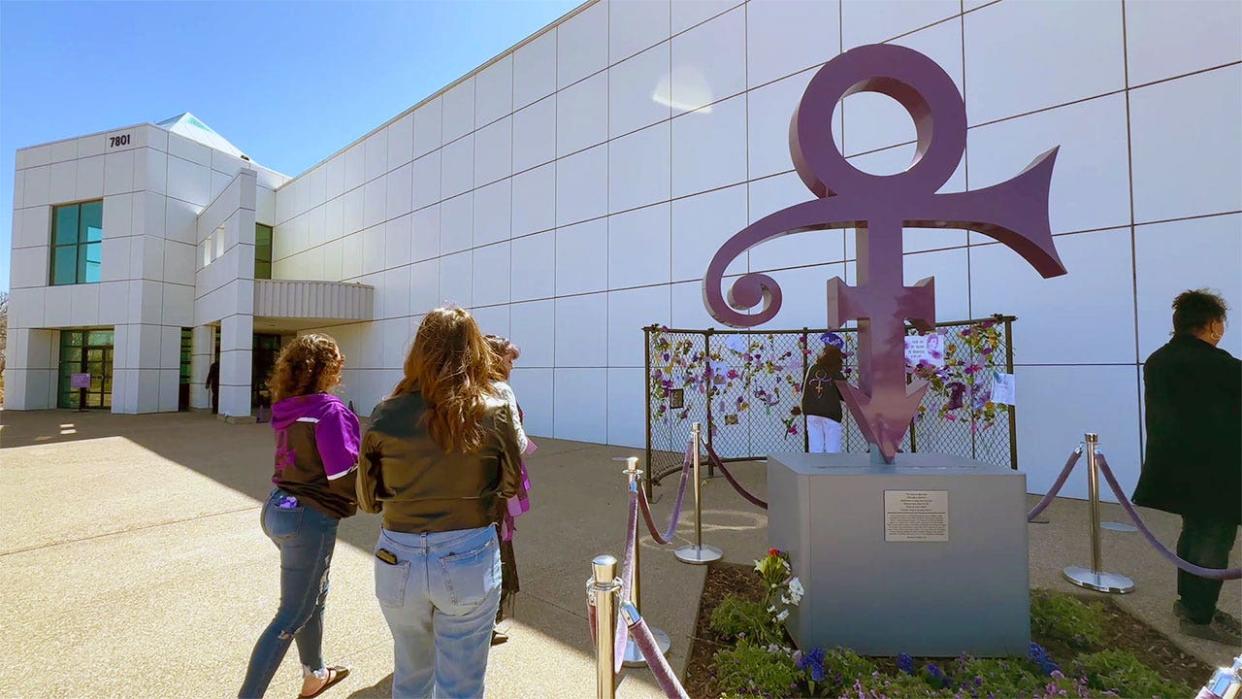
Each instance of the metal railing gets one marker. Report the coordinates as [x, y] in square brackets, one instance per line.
[746, 387]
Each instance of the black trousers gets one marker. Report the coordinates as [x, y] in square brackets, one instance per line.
[1205, 541]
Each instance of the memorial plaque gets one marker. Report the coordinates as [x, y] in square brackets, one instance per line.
[916, 515]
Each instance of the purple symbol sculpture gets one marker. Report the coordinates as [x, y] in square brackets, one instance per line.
[1014, 212]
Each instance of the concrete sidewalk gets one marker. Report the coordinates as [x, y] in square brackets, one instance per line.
[133, 564]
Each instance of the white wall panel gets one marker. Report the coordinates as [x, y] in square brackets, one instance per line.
[786, 36]
[1175, 38]
[581, 404]
[1096, 296]
[582, 258]
[582, 45]
[709, 62]
[493, 92]
[1022, 56]
[709, 147]
[640, 247]
[533, 274]
[635, 26]
[640, 168]
[1181, 171]
[534, 70]
[533, 330]
[582, 331]
[534, 200]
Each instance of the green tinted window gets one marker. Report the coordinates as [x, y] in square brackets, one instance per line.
[65, 225]
[262, 251]
[65, 264]
[77, 243]
[91, 222]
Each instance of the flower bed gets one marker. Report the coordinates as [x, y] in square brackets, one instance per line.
[1080, 649]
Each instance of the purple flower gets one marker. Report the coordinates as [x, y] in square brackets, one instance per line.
[814, 662]
[905, 663]
[936, 676]
[1040, 657]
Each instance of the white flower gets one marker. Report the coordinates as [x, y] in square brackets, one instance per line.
[772, 609]
[783, 615]
[796, 590]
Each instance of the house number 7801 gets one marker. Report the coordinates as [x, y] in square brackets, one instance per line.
[122, 140]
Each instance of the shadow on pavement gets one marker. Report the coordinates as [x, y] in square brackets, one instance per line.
[379, 690]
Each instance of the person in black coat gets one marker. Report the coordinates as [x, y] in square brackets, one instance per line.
[1193, 465]
[213, 385]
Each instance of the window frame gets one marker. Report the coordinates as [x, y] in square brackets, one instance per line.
[82, 247]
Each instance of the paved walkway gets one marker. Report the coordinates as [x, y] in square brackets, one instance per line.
[132, 563]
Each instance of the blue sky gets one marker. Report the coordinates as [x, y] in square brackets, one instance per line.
[287, 82]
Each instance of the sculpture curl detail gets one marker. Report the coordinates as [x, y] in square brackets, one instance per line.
[753, 289]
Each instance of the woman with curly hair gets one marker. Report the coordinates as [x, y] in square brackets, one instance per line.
[438, 461]
[316, 463]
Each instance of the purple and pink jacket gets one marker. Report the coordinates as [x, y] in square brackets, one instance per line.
[317, 452]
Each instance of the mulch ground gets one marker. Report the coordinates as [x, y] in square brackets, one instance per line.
[1122, 631]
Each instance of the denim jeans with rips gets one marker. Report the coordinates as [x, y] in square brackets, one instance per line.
[306, 539]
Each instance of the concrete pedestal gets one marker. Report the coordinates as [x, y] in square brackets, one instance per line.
[967, 594]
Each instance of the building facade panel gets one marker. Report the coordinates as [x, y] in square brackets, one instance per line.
[574, 188]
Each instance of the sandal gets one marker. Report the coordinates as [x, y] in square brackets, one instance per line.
[336, 673]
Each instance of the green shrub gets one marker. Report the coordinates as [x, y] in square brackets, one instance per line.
[1003, 677]
[1066, 619]
[735, 616]
[749, 670]
[1120, 672]
[843, 666]
[902, 686]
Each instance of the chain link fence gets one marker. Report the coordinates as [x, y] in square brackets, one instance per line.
[745, 387]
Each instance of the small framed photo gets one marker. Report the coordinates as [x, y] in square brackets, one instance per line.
[676, 398]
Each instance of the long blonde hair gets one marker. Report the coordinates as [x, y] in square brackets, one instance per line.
[451, 365]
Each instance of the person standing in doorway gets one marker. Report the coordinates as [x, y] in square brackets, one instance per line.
[213, 385]
[439, 460]
[315, 466]
[821, 401]
[1193, 464]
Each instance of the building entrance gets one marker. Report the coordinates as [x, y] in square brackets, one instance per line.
[85, 352]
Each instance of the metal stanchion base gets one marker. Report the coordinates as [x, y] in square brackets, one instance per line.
[634, 657]
[698, 555]
[1099, 581]
[1119, 527]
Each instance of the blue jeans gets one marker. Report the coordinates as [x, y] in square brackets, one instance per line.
[306, 538]
[440, 601]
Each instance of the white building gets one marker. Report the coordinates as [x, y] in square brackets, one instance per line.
[572, 190]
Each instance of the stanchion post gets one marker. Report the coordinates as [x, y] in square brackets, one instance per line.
[603, 588]
[1095, 578]
[634, 656]
[698, 554]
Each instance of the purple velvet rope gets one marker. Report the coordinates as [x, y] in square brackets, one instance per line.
[668, 534]
[715, 461]
[627, 576]
[656, 661]
[1056, 486]
[1209, 573]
